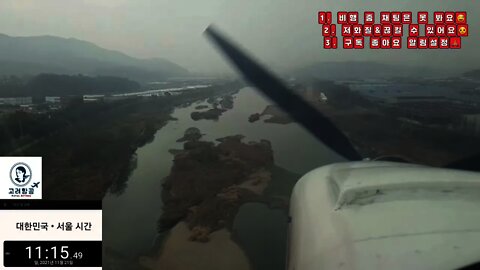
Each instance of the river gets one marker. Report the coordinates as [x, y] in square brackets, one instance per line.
[130, 218]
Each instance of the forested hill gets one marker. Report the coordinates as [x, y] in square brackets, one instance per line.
[50, 54]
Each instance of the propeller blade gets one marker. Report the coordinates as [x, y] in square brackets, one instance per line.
[298, 109]
[471, 163]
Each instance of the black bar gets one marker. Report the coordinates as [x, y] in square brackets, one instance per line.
[67, 253]
[49, 205]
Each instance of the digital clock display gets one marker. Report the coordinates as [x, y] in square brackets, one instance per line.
[52, 253]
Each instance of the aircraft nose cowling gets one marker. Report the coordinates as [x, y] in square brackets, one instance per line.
[347, 213]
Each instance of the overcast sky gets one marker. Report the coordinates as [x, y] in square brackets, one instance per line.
[281, 33]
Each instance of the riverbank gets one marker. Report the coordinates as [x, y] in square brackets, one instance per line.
[97, 153]
[179, 252]
[375, 133]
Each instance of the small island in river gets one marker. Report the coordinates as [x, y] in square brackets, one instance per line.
[208, 183]
[201, 107]
[219, 106]
[211, 114]
[277, 116]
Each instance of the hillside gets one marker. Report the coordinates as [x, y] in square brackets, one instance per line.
[49, 54]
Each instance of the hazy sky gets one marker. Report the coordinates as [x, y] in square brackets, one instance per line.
[282, 33]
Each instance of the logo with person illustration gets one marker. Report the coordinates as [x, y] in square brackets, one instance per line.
[20, 178]
[20, 174]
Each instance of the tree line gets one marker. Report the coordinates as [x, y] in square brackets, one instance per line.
[64, 85]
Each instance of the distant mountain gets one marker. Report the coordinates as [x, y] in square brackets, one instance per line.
[361, 70]
[49, 54]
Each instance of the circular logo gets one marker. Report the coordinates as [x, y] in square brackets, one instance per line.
[20, 174]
